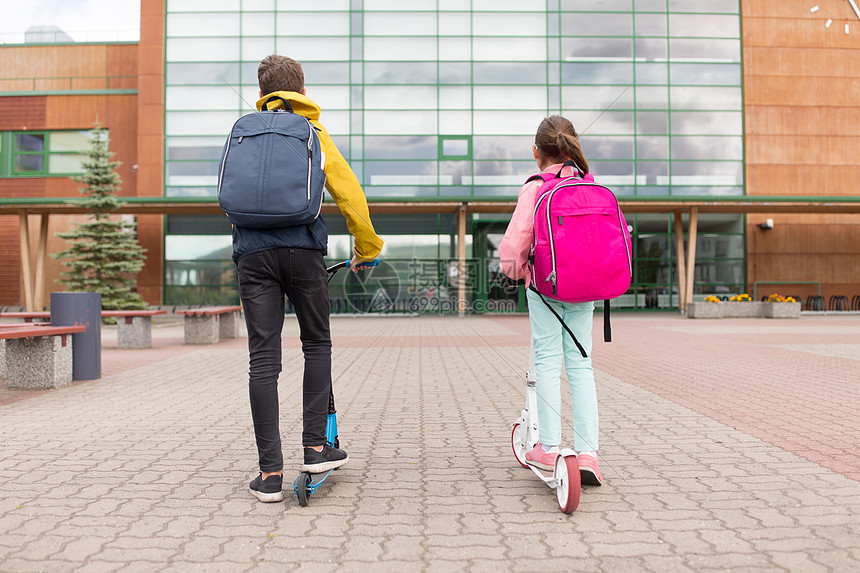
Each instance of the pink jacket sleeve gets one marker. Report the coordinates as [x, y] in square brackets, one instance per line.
[515, 247]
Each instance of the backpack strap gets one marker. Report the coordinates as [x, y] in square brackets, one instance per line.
[287, 106]
[569, 163]
[607, 329]
[570, 332]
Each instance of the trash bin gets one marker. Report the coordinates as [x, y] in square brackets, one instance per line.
[74, 308]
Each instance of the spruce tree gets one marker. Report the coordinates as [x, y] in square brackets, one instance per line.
[104, 254]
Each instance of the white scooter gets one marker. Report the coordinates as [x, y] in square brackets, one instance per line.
[565, 476]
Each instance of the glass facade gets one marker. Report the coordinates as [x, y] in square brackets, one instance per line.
[441, 98]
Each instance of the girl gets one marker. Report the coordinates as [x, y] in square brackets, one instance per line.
[555, 142]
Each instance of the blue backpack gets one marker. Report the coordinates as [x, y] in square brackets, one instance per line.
[271, 171]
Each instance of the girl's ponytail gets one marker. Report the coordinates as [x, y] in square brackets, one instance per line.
[557, 140]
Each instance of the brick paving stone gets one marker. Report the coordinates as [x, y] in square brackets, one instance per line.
[706, 469]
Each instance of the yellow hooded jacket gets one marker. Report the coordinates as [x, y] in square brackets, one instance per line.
[341, 182]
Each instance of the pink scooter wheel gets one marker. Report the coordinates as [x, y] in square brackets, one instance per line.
[519, 446]
[566, 475]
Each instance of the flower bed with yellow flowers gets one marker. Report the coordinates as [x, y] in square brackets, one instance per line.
[742, 306]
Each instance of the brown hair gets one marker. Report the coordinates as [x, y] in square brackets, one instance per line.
[280, 74]
[556, 140]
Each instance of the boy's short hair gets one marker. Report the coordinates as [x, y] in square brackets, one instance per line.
[280, 74]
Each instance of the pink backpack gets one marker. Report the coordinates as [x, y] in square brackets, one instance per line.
[582, 250]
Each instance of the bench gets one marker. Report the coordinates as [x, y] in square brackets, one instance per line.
[37, 357]
[209, 324]
[133, 332]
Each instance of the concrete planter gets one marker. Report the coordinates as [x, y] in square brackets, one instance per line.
[782, 310]
[750, 309]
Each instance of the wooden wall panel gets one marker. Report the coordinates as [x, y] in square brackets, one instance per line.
[82, 60]
[802, 122]
[22, 113]
[10, 261]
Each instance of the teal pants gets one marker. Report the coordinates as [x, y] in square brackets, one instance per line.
[553, 346]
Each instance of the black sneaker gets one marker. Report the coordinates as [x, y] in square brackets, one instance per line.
[268, 490]
[328, 459]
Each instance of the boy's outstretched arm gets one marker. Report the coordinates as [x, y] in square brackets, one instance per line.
[346, 191]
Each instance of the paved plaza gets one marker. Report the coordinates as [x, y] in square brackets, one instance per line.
[727, 445]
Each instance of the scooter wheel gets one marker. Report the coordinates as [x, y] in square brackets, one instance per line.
[303, 492]
[518, 445]
[336, 443]
[568, 486]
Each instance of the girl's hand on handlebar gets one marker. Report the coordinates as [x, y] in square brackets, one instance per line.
[357, 264]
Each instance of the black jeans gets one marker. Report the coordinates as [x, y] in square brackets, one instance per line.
[264, 279]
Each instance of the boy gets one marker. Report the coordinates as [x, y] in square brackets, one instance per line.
[273, 263]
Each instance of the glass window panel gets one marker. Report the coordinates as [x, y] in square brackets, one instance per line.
[256, 5]
[312, 23]
[400, 97]
[318, 6]
[192, 173]
[194, 148]
[509, 50]
[707, 148]
[256, 49]
[684, 97]
[455, 147]
[613, 173]
[455, 122]
[712, 6]
[513, 97]
[706, 74]
[399, 122]
[455, 24]
[595, 24]
[706, 173]
[602, 73]
[707, 123]
[193, 247]
[708, 50]
[704, 25]
[652, 73]
[336, 122]
[652, 122]
[592, 48]
[650, 25]
[400, 24]
[455, 172]
[454, 49]
[414, 147]
[652, 171]
[330, 97]
[652, 147]
[202, 98]
[201, 49]
[455, 97]
[421, 5]
[249, 96]
[403, 173]
[506, 123]
[599, 5]
[190, 191]
[650, 5]
[504, 74]
[411, 49]
[223, 24]
[504, 172]
[25, 163]
[596, 97]
[508, 5]
[601, 123]
[205, 73]
[69, 140]
[504, 147]
[400, 73]
[199, 122]
[29, 142]
[314, 48]
[65, 163]
[455, 72]
[596, 148]
[197, 6]
[319, 73]
[652, 48]
[652, 97]
[507, 25]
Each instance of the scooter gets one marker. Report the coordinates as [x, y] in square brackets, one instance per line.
[565, 479]
[307, 483]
